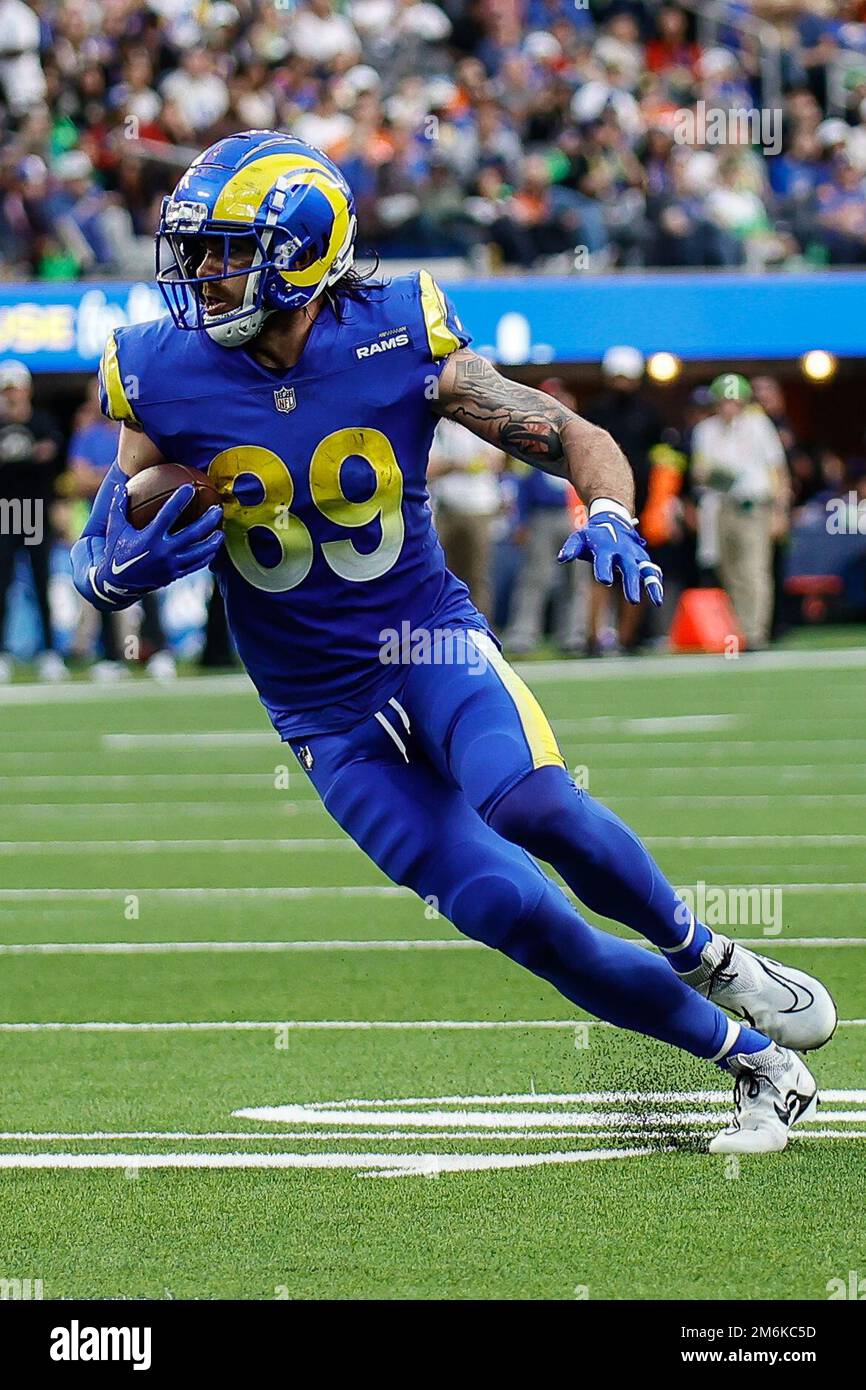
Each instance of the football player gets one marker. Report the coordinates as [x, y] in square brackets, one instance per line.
[310, 397]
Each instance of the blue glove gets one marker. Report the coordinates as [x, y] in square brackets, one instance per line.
[614, 546]
[136, 562]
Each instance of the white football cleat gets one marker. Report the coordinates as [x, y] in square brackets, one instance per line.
[791, 1007]
[773, 1090]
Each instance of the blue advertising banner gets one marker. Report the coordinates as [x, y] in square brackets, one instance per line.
[56, 327]
[713, 317]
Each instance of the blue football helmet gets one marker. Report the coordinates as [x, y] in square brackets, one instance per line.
[275, 204]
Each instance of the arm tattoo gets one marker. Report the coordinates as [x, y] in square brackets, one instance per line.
[524, 423]
[533, 427]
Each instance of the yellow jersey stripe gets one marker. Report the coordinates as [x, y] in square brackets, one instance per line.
[441, 340]
[119, 407]
[541, 739]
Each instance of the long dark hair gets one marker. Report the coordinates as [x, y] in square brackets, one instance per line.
[355, 285]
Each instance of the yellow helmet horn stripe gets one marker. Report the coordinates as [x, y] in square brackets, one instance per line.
[246, 190]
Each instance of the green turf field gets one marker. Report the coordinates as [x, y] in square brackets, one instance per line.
[304, 1084]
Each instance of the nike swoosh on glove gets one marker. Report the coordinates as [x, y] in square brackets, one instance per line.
[137, 562]
[616, 547]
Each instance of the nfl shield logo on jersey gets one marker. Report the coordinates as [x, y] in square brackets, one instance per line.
[284, 399]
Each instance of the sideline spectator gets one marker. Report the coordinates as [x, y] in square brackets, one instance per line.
[92, 450]
[21, 76]
[199, 92]
[547, 512]
[29, 460]
[465, 491]
[739, 457]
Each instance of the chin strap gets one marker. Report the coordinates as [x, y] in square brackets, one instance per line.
[238, 331]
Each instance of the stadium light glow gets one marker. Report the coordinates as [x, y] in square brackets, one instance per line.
[818, 365]
[664, 367]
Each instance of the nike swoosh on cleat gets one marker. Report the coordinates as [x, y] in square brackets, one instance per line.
[801, 1001]
[118, 569]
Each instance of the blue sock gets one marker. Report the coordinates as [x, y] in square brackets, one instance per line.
[601, 860]
[687, 956]
[747, 1040]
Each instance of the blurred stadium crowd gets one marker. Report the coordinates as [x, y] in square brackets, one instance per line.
[507, 133]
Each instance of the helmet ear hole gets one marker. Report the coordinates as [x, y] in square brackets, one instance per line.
[305, 259]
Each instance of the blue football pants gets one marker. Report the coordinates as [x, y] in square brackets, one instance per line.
[452, 788]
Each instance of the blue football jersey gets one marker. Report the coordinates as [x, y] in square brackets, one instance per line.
[322, 469]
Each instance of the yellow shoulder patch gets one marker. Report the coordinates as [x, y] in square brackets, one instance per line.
[115, 402]
[441, 340]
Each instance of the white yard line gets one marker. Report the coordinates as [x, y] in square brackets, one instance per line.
[676, 666]
[715, 1097]
[535, 672]
[372, 1165]
[228, 738]
[134, 948]
[271, 1136]
[29, 1136]
[321, 891]
[15, 847]
[327, 1025]
[697, 745]
[741, 841]
[642, 1132]
[263, 844]
[199, 738]
[595, 754]
[662, 724]
[697, 767]
[180, 740]
[304, 804]
[481, 1120]
[304, 1025]
[158, 808]
[379, 1165]
[83, 692]
[331, 1135]
[812, 887]
[492, 1123]
[143, 948]
[712, 799]
[277, 891]
[263, 780]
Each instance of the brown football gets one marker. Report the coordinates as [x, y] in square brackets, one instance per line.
[147, 491]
